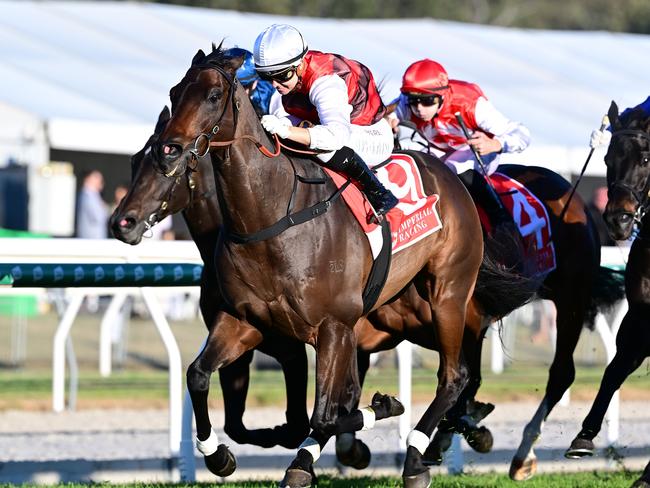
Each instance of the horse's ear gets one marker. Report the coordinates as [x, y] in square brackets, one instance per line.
[612, 114]
[198, 57]
[163, 118]
[234, 63]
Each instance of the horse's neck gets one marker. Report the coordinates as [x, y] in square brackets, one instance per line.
[203, 220]
[254, 189]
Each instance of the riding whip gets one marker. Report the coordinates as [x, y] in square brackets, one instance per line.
[603, 125]
[478, 158]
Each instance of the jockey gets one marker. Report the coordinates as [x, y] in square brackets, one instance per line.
[259, 91]
[338, 98]
[430, 100]
[602, 137]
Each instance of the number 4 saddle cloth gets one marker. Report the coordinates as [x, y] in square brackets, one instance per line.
[530, 215]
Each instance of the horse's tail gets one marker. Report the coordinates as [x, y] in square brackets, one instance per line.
[608, 289]
[500, 290]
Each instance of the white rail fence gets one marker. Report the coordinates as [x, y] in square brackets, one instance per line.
[180, 421]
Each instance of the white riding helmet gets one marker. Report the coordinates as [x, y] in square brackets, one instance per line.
[279, 46]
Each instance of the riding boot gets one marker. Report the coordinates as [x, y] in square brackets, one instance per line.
[349, 164]
[488, 200]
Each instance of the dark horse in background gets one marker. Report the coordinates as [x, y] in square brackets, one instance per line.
[628, 182]
[285, 282]
[579, 287]
[151, 198]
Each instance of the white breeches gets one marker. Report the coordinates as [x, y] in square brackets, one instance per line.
[373, 143]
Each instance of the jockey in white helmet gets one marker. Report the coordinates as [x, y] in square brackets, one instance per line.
[340, 101]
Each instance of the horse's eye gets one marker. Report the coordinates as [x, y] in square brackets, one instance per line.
[214, 96]
[645, 160]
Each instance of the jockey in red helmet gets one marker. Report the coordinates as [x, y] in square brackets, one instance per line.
[430, 100]
[340, 100]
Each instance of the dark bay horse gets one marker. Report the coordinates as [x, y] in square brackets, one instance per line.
[286, 283]
[628, 182]
[151, 198]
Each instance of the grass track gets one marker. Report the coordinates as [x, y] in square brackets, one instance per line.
[569, 480]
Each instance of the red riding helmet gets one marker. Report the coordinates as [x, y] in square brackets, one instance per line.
[425, 77]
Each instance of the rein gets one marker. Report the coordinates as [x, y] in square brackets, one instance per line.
[261, 148]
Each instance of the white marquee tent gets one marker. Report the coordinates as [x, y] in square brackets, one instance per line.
[92, 76]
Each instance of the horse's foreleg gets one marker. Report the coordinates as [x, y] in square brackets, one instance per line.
[570, 317]
[336, 379]
[350, 451]
[228, 339]
[453, 375]
[234, 380]
[466, 413]
[631, 350]
[293, 359]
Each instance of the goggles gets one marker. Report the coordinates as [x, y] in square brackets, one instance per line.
[281, 76]
[424, 100]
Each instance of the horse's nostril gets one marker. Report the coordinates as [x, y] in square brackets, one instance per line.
[126, 223]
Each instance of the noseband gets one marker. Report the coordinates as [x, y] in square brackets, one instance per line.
[641, 198]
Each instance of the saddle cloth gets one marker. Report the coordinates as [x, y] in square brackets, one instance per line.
[414, 217]
[530, 215]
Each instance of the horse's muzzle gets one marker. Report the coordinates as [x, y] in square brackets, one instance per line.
[620, 224]
[127, 229]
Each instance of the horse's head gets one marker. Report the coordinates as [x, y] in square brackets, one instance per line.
[204, 107]
[628, 172]
[151, 196]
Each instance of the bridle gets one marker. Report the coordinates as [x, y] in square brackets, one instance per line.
[205, 138]
[641, 198]
[153, 218]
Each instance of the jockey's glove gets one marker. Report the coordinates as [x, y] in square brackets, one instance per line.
[276, 125]
[600, 138]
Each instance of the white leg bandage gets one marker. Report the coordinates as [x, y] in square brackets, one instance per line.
[418, 439]
[368, 418]
[311, 445]
[208, 446]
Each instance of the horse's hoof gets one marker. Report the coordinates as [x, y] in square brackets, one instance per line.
[580, 448]
[481, 410]
[523, 469]
[296, 478]
[422, 480]
[357, 457]
[480, 439]
[387, 405]
[439, 445]
[222, 462]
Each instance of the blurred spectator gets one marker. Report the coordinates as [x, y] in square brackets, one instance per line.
[92, 212]
[118, 194]
[596, 207]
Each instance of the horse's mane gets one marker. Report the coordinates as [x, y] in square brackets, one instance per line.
[636, 119]
[218, 57]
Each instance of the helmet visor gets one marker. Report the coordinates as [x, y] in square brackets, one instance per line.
[281, 76]
[424, 100]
